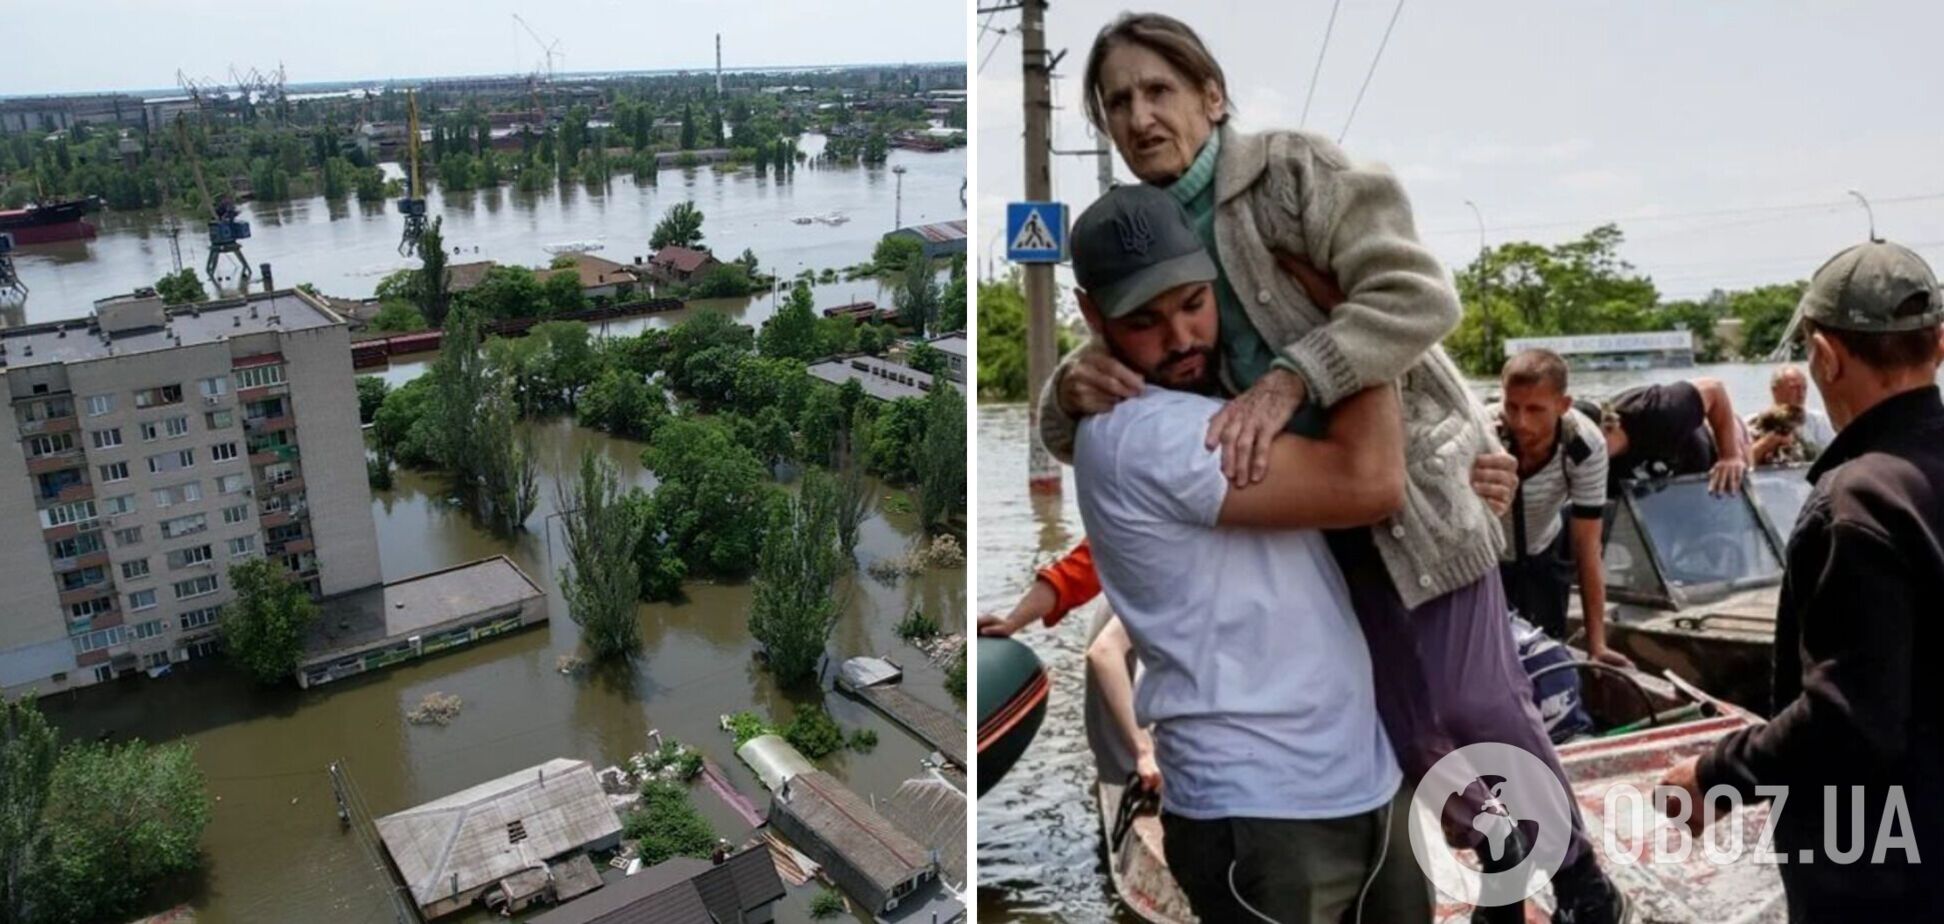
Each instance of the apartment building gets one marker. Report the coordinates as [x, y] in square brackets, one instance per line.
[152, 448]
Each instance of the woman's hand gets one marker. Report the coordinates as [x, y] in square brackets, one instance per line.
[1246, 426]
[1095, 383]
[1145, 766]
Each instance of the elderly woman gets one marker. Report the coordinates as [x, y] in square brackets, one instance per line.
[1288, 213]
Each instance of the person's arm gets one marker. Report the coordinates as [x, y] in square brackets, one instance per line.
[1107, 667]
[1730, 463]
[1354, 476]
[1398, 301]
[1057, 590]
[1855, 704]
[1592, 582]
[1768, 446]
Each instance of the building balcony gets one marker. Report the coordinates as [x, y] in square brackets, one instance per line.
[291, 546]
[75, 492]
[275, 518]
[272, 454]
[99, 588]
[85, 560]
[255, 425]
[247, 395]
[64, 531]
[63, 424]
[286, 486]
[54, 461]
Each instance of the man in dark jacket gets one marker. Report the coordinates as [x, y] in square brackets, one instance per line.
[1856, 739]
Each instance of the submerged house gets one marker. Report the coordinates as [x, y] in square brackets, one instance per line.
[741, 889]
[874, 862]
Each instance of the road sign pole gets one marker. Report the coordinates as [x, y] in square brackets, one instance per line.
[1042, 471]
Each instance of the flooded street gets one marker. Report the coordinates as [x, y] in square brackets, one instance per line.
[1040, 852]
[346, 248]
[274, 847]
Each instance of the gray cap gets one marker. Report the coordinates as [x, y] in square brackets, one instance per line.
[1865, 289]
[1133, 244]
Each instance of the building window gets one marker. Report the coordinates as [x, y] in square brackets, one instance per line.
[222, 452]
[49, 443]
[196, 619]
[136, 568]
[220, 420]
[149, 629]
[75, 546]
[171, 461]
[179, 494]
[183, 526]
[236, 514]
[242, 545]
[97, 640]
[104, 673]
[86, 577]
[176, 426]
[230, 484]
[159, 396]
[63, 514]
[155, 659]
[82, 612]
[202, 649]
[194, 555]
[114, 471]
[215, 387]
[141, 600]
[119, 504]
[258, 376]
[195, 587]
[106, 439]
[278, 473]
[100, 404]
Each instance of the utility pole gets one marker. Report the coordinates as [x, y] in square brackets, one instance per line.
[897, 217]
[1042, 471]
[718, 65]
[1484, 299]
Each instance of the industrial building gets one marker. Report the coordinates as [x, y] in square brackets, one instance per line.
[938, 240]
[151, 449]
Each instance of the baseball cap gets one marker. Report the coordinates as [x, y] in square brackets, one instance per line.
[1133, 244]
[1866, 288]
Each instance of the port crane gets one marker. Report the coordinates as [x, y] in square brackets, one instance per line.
[412, 206]
[226, 231]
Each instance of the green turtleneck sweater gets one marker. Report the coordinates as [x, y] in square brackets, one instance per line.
[1245, 356]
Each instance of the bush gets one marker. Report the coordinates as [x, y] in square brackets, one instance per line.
[666, 824]
[893, 254]
[918, 627]
[863, 740]
[371, 396]
[730, 280]
[955, 675]
[747, 725]
[813, 733]
[827, 904]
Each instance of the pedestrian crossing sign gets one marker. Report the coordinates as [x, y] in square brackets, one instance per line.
[1036, 232]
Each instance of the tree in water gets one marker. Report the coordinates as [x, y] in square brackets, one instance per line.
[681, 227]
[120, 819]
[918, 301]
[688, 127]
[795, 593]
[509, 481]
[792, 333]
[264, 627]
[432, 297]
[854, 492]
[29, 750]
[601, 581]
[941, 458]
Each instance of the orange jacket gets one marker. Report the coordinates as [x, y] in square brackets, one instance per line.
[1073, 579]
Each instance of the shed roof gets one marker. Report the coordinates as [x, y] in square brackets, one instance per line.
[681, 258]
[495, 829]
[933, 813]
[938, 233]
[681, 891]
[868, 841]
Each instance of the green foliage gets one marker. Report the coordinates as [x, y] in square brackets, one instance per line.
[712, 499]
[562, 293]
[658, 563]
[686, 762]
[863, 741]
[792, 332]
[895, 437]
[507, 292]
[398, 317]
[666, 824]
[814, 734]
[896, 252]
[955, 674]
[600, 582]
[680, 227]
[702, 331]
[836, 336]
[378, 472]
[874, 338]
[29, 752]
[941, 458]
[746, 725]
[918, 301]
[429, 290]
[1764, 312]
[795, 601]
[926, 358]
[952, 312]
[371, 396]
[726, 280]
[827, 903]
[181, 288]
[405, 425]
[1002, 340]
[820, 425]
[917, 627]
[264, 627]
[118, 820]
[621, 402]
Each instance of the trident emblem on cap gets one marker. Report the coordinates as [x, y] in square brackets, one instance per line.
[1135, 236]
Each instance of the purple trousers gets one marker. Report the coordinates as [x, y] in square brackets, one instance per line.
[1447, 675]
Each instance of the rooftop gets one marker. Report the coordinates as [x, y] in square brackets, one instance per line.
[481, 835]
[81, 339]
[594, 271]
[681, 258]
[953, 344]
[882, 379]
[937, 233]
[933, 813]
[417, 604]
[680, 891]
[843, 820]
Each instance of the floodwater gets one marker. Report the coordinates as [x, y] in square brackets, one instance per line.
[346, 248]
[1040, 848]
[274, 849]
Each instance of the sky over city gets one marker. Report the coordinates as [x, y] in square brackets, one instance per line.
[91, 45]
[1555, 117]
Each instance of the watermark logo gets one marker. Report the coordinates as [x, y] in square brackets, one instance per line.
[1526, 791]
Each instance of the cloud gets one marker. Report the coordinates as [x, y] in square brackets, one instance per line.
[1552, 153]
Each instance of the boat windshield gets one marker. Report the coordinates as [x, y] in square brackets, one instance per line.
[1780, 493]
[1705, 543]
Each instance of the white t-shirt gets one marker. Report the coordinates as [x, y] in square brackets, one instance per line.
[1258, 682]
[1817, 429]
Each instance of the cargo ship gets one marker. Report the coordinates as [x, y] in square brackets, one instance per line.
[48, 222]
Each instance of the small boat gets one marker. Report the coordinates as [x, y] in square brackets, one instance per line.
[1642, 726]
[586, 246]
[1012, 703]
[803, 220]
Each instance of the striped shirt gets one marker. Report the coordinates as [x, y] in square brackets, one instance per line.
[1574, 476]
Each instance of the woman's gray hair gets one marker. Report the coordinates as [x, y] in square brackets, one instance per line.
[1165, 36]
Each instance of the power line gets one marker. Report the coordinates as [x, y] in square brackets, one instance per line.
[995, 48]
[1379, 56]
[1318, 70]
[1827, 205]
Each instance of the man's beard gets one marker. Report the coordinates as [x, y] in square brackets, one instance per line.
[1207, 382]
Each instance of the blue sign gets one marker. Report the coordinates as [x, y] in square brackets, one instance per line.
[1036, 232]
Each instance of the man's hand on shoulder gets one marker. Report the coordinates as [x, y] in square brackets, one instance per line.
[1096, 382]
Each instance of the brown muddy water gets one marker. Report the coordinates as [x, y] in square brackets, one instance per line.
[1039, 842]
[274, 848]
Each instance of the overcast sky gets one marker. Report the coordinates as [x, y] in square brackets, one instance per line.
[72, 45]
[1554, 117]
